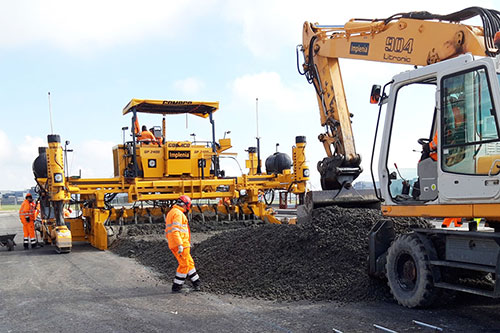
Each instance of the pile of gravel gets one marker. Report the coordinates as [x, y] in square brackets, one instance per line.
[323, 260]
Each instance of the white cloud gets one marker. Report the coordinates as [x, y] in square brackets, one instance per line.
[265, 26]
[269, 88]
[28, 150]
[84, 25]
[5, 146]
[268, 27]
[93, 158]
[189, 86]
[16, 161]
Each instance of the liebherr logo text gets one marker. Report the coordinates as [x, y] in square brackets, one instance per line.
[359, 48]
[399, 46]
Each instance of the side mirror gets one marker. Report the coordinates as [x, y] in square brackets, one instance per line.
[375, 94]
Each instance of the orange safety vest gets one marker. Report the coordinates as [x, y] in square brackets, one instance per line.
[27, 210]
[433, 147]
[37, 210]
[147, 136]
[177, 228]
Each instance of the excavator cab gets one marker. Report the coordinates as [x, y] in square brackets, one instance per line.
[462, 95]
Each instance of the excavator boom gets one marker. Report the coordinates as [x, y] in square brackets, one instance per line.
[415, 38]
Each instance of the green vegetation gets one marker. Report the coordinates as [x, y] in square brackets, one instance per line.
[9, 207]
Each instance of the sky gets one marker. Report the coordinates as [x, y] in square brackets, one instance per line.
[95, 56]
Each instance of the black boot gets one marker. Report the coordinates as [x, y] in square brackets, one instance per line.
[176, 288]
[26, 246]
[196, 285]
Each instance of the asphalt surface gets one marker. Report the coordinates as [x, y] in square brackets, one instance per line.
[91, 290]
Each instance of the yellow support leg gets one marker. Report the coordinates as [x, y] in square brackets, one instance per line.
[98, 234]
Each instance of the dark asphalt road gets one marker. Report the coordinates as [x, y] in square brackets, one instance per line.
[89, 290]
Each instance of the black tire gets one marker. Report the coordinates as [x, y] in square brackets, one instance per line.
[409, 274]
[10, 245]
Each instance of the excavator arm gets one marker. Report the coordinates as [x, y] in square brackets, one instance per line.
[415, 38]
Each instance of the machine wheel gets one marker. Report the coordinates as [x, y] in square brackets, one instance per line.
[10, 245]
[409, 274]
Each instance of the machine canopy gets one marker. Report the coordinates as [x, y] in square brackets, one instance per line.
[200, 109]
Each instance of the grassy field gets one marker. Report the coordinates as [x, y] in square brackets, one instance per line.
[10, 207]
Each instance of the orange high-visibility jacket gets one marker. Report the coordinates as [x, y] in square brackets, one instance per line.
[433, 147]
[147, 136]
[27, 210]
[37, 210]
[177, 229]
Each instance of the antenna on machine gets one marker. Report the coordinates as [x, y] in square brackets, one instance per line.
[259, 170]
[50, 114]
[257, 114]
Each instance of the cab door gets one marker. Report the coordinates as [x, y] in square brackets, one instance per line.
[469, 144]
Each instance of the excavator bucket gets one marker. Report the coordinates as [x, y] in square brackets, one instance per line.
[337, 173]
[348, 198]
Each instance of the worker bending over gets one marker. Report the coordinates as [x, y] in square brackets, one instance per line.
[179, 241]
[27, 216]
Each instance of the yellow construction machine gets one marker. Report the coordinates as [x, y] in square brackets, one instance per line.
[453, 90]
[152, 175]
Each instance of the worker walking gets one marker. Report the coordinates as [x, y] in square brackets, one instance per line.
[179, 241]
[27, 216]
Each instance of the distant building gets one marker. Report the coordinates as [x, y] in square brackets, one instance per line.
[16, 197]
[364, 185]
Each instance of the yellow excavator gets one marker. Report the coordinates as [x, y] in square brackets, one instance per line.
[149, 175]
[452, 90]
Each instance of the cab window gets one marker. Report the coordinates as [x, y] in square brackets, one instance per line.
[469, 136]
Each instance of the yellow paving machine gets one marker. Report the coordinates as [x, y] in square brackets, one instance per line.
[152, 175]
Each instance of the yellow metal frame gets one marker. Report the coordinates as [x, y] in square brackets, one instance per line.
[165, 180]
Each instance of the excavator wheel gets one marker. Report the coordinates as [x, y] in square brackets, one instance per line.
[409, 274]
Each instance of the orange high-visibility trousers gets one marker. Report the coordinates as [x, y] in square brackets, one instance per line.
[186, 267]
[29, 231]
[457, 221]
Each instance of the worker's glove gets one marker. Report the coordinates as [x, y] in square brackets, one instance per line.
[180, 248]
[27, 219]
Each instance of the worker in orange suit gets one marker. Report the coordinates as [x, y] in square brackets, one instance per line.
[146, 136]
[178, 236]
[27, 216]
